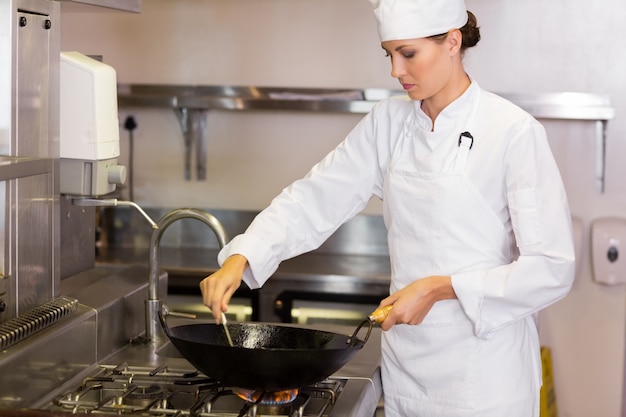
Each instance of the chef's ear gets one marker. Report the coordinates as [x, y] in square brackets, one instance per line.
[454, 41]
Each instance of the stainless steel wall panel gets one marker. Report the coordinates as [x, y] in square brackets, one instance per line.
[29, 227]
[7, 73]
[32, 85]
[5, 244]
[29, 141]
[118, 295]
[34, 241]
[29, 73]
[78, 237]
[362, 235]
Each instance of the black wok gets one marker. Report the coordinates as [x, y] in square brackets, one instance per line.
[268, 357]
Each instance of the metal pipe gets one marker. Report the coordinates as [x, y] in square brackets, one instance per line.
[111, 202]
[153, 304]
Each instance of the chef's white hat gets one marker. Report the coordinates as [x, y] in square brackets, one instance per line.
[410, 19]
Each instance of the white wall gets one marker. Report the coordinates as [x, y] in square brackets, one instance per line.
[529, 46]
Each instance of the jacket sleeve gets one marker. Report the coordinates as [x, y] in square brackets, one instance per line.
[309, 210]
[543, 272]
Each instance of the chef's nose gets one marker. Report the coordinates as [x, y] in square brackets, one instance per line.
[397, 69]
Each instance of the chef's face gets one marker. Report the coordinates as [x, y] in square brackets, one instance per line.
[424, 66]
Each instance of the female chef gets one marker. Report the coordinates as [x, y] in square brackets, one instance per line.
[478, 224]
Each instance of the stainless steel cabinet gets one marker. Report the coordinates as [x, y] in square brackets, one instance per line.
[29, 145]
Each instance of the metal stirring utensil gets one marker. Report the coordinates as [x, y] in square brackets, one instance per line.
[230, 339]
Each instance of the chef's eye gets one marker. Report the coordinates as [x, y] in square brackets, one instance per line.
[408, 55]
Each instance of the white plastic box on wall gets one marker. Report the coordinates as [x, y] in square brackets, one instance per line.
[89, 129]
[608, 250]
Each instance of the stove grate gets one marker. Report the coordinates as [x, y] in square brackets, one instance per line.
[164, 392]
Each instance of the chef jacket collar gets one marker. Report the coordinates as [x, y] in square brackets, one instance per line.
[453, 115]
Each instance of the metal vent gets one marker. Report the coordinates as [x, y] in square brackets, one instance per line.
[31, 322]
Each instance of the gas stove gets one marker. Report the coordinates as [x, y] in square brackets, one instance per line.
[101, 372]
[161, 391]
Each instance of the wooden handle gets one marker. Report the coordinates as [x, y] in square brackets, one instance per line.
[380, 314]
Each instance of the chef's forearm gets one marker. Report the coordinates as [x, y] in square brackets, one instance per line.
[442, 288]
[237, 263]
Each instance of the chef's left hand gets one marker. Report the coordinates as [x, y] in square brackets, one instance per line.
[413, 302]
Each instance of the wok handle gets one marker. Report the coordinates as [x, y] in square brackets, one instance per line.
[370, 323]
[377, 316]
[381, 314]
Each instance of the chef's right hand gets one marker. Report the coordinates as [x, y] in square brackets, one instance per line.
[218, 288]
[413, 302]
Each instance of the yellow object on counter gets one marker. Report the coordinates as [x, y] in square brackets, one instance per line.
[548, 395]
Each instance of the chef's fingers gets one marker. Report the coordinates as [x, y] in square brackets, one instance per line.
[414, 302]
[207, 287]
[218, 288]
[224, 286]
[228, 295]
[386, 323]
[390, 320]
[388, 300]
[233, 268]
[213, 290]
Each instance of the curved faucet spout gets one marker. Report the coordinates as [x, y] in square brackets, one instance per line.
[153, 304]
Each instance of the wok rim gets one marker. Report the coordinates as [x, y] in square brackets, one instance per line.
[264, 377]
[356, 342]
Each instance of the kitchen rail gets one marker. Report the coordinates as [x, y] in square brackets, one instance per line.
[87, 5]
[562, 105]
[201, 98]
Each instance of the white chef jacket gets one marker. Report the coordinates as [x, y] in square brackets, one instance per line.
[510, 165]
[513, 161]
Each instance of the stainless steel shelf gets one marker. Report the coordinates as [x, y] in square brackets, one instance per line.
[122, 5]
[567, 105]
[550, 106]
[12, 167]
[249, 98]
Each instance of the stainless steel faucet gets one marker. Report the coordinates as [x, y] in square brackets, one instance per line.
[153, 304]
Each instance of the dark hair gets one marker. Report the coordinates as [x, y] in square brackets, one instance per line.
[470, 32]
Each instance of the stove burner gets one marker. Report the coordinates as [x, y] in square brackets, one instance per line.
[144, 395]
[266, 397]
